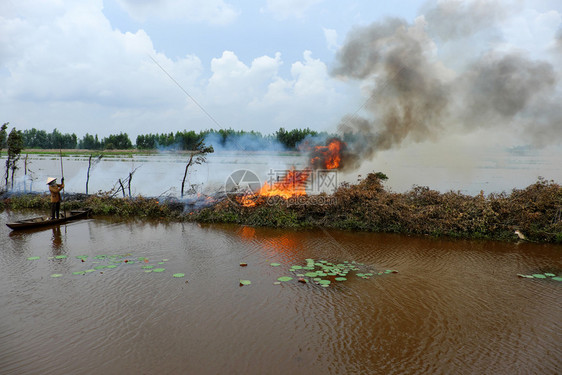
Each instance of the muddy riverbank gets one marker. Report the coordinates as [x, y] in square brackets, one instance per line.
[535, 211]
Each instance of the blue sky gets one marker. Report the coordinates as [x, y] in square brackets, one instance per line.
[85, 66]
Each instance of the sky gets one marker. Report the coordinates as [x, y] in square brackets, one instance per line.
[139, 67]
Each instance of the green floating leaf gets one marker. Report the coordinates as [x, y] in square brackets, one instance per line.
[79, 273]
[160, 262]
[147, 267]
[56, 275]
[33, 258]
[539, 276]
[557, 278]
[148, 271]
[100, 256]
[178, 275]
[99, 267]
[284, 278]
[275, 264]
[159, 269]
[297, 267]
[61, 257]
[324, 282]
[245, 282]
[311, 274]
[549, 274]
[165, 260]
[90, 270]
[340, 279]
[111, 266]
[81, 257]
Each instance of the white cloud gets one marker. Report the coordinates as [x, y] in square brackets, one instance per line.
[74, 71]
[532, 31]
[331, 37]
[283, 9]
[214, 12]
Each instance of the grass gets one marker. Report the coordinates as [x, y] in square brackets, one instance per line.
[365, 206]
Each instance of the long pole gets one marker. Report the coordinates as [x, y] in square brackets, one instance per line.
[62, 178]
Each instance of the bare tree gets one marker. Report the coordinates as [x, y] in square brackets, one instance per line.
[198, 156]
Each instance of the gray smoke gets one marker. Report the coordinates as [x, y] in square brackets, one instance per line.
[415, 96]
[457, 19]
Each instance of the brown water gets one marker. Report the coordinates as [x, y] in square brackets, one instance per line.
[454, 307]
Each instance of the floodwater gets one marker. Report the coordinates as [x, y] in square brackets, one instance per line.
[454, 307]
[162, 174]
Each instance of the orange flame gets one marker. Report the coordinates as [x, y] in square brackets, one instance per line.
[329, 156]
[291, 185]
[294, 183]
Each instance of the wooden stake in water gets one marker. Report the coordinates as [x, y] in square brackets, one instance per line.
[62, 178]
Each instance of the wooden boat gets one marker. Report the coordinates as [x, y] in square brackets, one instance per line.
[43, 221]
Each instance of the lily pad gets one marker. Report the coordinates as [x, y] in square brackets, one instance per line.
[539, 276]
[311, 274]
[178, 275]
[284, 278]
[549, 274]
[148, 271]
[111, 266]
[297, 267]
[159, 269]
[340, 279]
[275, 264]
[147, 267]
[33, 258]
[557, 278]
[56, 275]
[79, 273]
[61, 257]
[245, 282]
[324, 282]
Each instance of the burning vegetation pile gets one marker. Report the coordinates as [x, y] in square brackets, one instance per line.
[366, 206]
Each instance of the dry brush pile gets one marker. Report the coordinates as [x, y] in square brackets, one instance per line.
[366, 206]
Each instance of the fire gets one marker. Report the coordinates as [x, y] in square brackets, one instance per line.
[293, 184]
[329, 156]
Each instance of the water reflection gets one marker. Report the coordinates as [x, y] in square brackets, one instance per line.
[57, 240]
[454, 306]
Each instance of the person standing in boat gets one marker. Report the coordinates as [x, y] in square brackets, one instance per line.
[55, 190]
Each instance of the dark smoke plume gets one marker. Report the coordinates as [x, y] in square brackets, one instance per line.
[414, 96]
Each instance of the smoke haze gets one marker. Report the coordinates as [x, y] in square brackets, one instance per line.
[415, 95]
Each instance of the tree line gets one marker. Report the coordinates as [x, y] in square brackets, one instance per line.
[180, 140]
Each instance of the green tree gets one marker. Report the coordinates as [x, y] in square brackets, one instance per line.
[15, 145]
[120, 141]
[3, 136]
